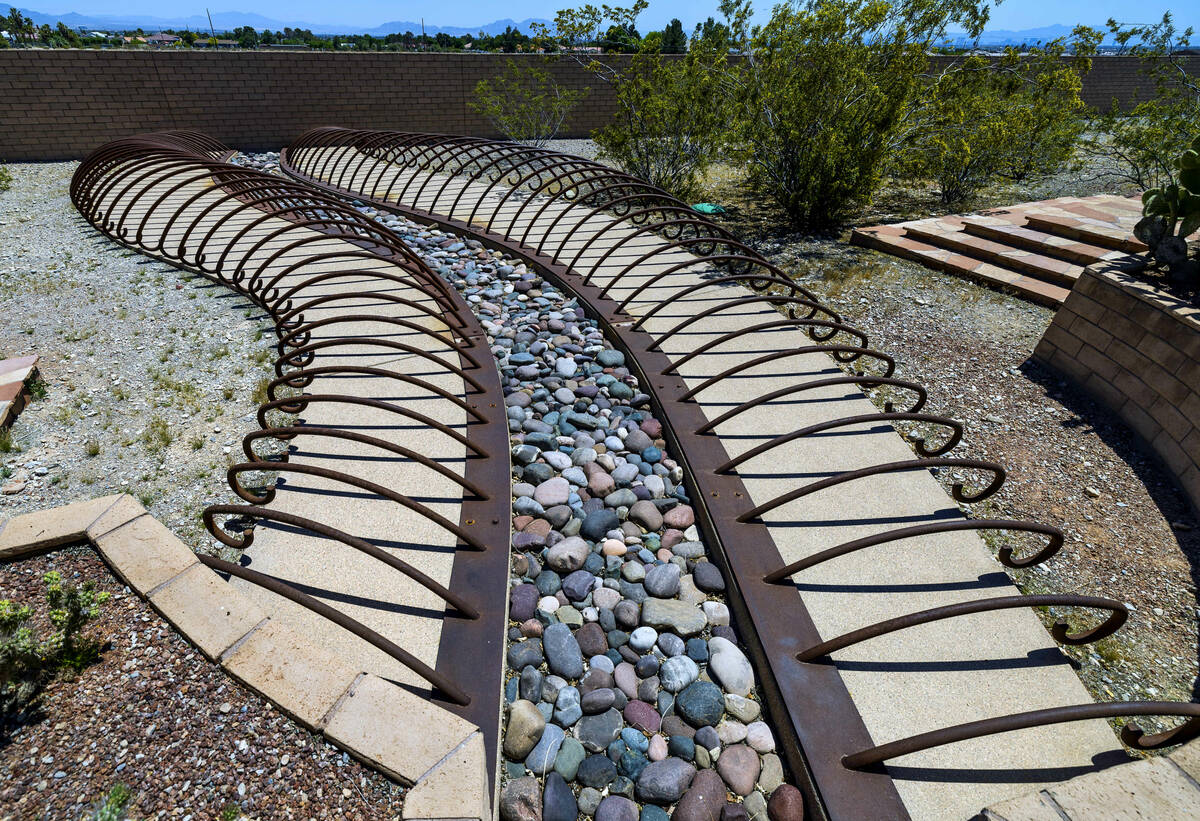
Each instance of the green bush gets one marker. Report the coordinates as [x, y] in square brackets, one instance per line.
[28, 661]
[825, 95]
[1142, 144]
[525, 104]
[112, 806]
[1008, 118]
[671, 118]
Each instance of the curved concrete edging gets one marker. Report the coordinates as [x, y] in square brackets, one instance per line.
[1136, 350]
[440, 755]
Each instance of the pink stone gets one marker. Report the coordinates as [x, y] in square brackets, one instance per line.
[652, 428]
[658, 748]
[671, 537]
[531, 629]
[612, 547]
[679, 517]
[664, 554]
[642, 716]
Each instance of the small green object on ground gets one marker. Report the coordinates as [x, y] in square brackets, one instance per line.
[708, 208]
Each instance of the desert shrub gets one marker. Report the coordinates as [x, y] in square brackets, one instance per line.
[29, 661]
[112, 806]
[984, 119]
[525, 104]
[826, 92]
[5, 178]
[1142, 144]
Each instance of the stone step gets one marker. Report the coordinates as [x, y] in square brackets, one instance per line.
[939, 233]
[1105, 235]
[943, 259]
[1051, 245]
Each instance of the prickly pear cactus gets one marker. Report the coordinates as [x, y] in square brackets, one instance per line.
[1171, 214]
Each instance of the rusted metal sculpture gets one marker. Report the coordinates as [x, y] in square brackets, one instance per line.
[173, 196]
[555, 211]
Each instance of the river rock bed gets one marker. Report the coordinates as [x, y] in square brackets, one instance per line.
[628, 692]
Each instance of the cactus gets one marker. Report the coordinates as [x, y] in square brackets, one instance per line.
[1171, 214]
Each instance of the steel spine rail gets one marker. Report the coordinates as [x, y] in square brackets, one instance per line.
[371, 166]
[173, 196]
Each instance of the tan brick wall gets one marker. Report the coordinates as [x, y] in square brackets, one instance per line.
[1136, 351]
[61, 104]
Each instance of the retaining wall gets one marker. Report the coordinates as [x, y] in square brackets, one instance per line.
[1137, 351]
[59, 104]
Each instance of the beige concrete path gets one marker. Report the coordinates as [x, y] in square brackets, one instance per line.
[909, 682]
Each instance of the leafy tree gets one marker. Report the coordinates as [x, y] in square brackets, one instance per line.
[1011, 118]
[670, 121]
[525, 104]
[825, 93]
[1142, 144]
[674, 41]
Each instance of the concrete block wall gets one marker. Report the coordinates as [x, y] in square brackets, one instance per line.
[1137, 351]
[60, 104]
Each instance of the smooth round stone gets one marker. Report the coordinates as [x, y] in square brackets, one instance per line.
[522, 654]
[703, 800]
[552, 492]
[742, 708]
[631, 763]
[734, 812]
[739, 766]
[648, 689]
[786, 804]
[679, 617]
[716, 612]
[610, 358]
[664, 782]
[663, 581]
[591, 639]
[524, 730]
[605, 598]
[627, 614]
[565, 367]
[589, 799]
[569, 616]
[641, 715]
[701, 704]
[596, 771]
[598, 701]
[731, 732]
[626, 679]
[674, 725]
[677, 673]
[597, 524]
[522, 602]
[646, 666]
[671, 645]
[602, 663]
[614, 547]
[567, 706]
[681, 746]
[556, 458]
[653, 813]
[708, 578]
[531, 684]
[760, 737]
[570, 756]
[562, 651]
[643, 638]
[633, 571]
[634, 740]
[729, 666]
[598, 731]
[708, 738]
[616, 808]
[531, 628]
[541, 758]
[772, 773]
[697, 649]
[548, 583]
[568, 555]
[558, 800]
[657, 749]
[680, 517]
[637, 440]
[521, 800]
[621, 498]
[646, 515]
[578, 585]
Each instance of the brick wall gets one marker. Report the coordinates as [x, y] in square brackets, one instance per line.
[1137, 351]
[60, 104]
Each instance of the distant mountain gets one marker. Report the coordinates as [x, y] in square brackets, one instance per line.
[1005, 37]
[230, 20]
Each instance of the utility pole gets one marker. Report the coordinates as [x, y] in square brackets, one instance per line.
[422, 34]
[210, 25]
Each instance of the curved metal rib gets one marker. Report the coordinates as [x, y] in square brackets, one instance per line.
[1059, 630]
[1131, 734]
[1006, 552]
[890, 467]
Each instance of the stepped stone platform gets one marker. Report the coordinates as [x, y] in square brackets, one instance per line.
[1035, 249]
[14, 373]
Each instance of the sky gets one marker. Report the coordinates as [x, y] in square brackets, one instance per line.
[1011, 14]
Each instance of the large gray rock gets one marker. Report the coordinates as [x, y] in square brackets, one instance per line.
[729, 666]
[664, 782]
[568, 555]
[562, 651]
[525, 726]
[521, 800]
[677, 616]
[598, 731]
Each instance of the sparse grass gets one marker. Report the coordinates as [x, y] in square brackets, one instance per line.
[227, 393]
[7, 443]
[146, 497]
[112, 806]
[259, 395]
[196, 442]
[157, 435]
[91, 447]
[5, 178]
[36, 386]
